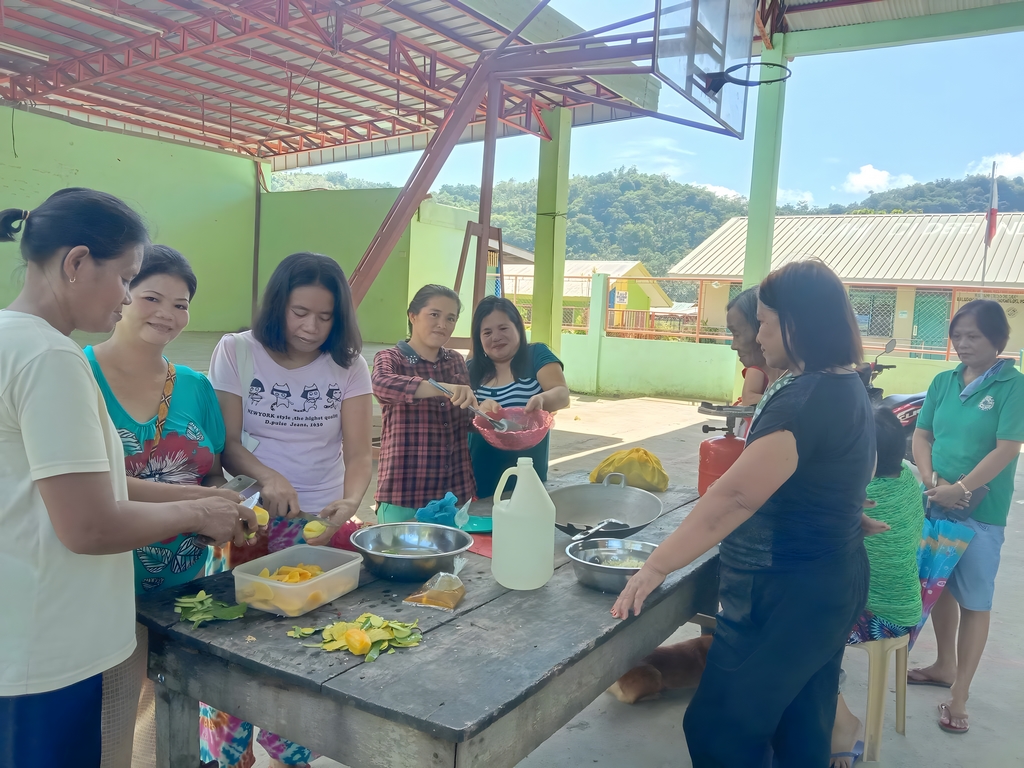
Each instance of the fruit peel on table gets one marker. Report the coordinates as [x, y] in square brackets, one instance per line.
[368, 636]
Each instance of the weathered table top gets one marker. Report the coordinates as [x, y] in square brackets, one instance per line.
[488, 684]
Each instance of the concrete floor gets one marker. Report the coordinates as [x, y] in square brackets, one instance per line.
[649, 734]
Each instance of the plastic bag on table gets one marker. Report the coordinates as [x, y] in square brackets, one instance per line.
[440, 511]
[641, 467]
[443, 591]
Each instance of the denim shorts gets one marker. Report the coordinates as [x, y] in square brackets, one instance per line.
[973, 580]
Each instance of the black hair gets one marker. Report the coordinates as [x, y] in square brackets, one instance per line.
[991, 320]
[819, 329]
[425, 294]
[481, 367]
[344, 342]
[74, 217]
[746, 303]
[890, 443]
[164, 260]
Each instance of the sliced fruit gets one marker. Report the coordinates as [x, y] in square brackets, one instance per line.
[358, 642]
[262, 516]
[313, 529]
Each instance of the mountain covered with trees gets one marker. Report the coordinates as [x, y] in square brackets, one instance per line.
[626, 214]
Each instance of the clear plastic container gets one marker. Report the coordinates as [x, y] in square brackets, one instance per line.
[340, 576]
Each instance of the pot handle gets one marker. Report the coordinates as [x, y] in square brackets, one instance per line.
[622, 479]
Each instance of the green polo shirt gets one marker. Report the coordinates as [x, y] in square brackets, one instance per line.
[966, 432]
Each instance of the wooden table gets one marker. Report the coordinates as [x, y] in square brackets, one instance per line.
[489, 683]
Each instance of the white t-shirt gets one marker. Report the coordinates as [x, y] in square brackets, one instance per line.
[295, 414]
[63, 617]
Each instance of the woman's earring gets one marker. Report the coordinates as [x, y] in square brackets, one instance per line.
[73, 279]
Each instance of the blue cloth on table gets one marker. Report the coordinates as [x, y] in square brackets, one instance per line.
[439, 511]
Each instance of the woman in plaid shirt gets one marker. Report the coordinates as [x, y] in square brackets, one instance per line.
[424, 450]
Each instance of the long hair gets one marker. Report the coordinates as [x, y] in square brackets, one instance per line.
[344, 342]
[481, 367]
[819, 328]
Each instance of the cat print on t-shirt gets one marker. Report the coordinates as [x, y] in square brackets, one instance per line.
[256, 390]
[282, 396]
[333, 396]
[310, 395]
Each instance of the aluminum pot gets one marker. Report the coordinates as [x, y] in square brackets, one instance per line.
[588, 556]
[579, 507]
[410, 551]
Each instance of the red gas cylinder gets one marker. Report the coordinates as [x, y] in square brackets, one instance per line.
[717, 454]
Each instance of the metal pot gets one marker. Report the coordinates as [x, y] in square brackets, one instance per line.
[588, 558]
[579, 507]
[410, 551]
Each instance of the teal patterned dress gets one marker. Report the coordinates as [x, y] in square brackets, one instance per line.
[193, 437]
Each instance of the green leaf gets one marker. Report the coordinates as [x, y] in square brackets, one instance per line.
[230, 612]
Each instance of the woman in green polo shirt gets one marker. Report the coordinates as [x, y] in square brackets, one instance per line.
[969, 434]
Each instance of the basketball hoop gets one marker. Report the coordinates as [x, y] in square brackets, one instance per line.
[715, 81]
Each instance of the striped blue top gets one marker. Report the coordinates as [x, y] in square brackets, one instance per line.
[489, 463]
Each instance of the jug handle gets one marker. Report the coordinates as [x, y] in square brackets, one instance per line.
[622, 479]
[501, 483]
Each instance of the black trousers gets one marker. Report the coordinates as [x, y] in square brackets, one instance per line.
[772, 674]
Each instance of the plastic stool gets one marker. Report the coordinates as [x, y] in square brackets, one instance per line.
[878, 679]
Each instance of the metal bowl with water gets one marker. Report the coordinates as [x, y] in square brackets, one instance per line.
[589, 560]
[410, 551]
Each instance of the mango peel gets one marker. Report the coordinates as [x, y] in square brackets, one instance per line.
[368, 636]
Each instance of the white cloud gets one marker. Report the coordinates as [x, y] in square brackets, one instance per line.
[658, 154]
[871, 179]
[720, 191]
[794, 196]
[1006, 165]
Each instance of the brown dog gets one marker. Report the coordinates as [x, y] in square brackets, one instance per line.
[669, 667]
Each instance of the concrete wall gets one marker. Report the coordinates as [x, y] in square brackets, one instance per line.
[435, 245]
[340, 224]
[198, 201]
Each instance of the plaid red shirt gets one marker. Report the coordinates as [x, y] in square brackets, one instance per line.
[424, 446]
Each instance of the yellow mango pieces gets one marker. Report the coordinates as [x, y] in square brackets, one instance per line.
[358, 642]
[262, 516]
[313, 529]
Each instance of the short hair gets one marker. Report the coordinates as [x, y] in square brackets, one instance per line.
[890, 443]
[746, 303]
[991, 320]
[425, 294]
[71, 217]
[481, 367]
[344, 342]
[819, 328]
[164, 260]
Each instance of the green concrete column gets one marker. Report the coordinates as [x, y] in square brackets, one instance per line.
[764, 176]
[549, 251]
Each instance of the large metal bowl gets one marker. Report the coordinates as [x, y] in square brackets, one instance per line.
[579, 507]
[588, 557]
[410, 551]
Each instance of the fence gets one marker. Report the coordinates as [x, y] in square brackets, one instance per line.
[681, 309]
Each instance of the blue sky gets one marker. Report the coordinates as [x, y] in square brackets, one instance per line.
[854, 123]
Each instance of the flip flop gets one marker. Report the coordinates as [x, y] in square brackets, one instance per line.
[855, 753]
[949, 727]
[927, 681]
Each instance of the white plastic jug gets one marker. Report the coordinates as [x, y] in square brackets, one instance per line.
[523, 555]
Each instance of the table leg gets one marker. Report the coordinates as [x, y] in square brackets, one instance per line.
[177, 729]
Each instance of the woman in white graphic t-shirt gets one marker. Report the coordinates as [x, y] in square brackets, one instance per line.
[69, 529]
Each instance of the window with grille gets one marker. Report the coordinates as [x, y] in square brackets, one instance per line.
[875, 309]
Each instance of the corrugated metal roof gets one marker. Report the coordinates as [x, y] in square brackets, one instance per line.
[804, 16]
[898, 249]
[301, 82]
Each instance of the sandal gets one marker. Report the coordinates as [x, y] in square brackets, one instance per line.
[855, 754]
[948, 727]
[924, 680]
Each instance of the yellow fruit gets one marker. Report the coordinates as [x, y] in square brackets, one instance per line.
[265, 573]
[262, 591]
[316, 597]
[358, 642]
[262, 516]
[313, 529]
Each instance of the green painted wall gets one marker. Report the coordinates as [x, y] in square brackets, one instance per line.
[340, 224]
[435, 245]
[910, 374]
[198, 201]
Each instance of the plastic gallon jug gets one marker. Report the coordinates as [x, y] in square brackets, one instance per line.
[523, 554]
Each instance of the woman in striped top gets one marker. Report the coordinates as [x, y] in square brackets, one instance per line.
[510, 373]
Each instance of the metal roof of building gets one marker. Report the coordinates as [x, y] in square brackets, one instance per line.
[300, 82]
[820, 14]
[897, 249]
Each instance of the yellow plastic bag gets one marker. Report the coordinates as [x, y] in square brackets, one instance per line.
[641, 468]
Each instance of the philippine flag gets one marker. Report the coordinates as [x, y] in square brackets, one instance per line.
[993, 205]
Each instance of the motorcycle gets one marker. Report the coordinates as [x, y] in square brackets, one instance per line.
[904, 407]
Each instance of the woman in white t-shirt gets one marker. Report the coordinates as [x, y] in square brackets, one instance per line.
[69, 530]
[295, 395]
